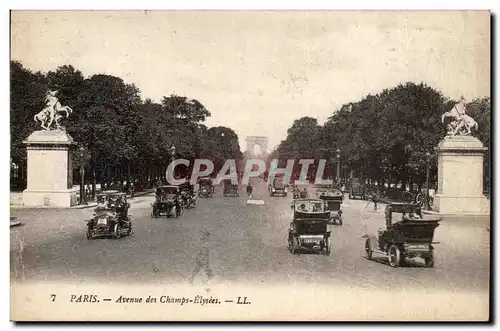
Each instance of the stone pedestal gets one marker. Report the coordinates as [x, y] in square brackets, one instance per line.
[460, 177]
[50, 174]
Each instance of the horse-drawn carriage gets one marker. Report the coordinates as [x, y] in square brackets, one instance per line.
[308, 230]
[168, 201]
[410, 237]
[110, 217]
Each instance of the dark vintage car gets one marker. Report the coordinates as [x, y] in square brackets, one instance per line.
[167, 201]
[230, 189]
[110, 218]
[410, 237]
[333, 202]
[278, 187]
[357, 189]
[188, 195]
[206, 187]
[309, 227]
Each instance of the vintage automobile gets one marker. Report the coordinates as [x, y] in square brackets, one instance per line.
[357, 190]
[206, 187]
[167, 200]
[111, 217]
[410, 237]
[303, 194]
[278, 187]
[230, 189]
[188, 195]
[308, 230]
[296, 193]
[333, 201]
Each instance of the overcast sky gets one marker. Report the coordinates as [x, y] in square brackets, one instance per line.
[257, 72]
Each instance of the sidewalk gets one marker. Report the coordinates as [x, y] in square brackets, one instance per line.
[16, 201]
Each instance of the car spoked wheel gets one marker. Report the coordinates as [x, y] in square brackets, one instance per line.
[89, 232]
[293, 249]
[394, 256]
[117, 231]
[429, 261]
[326, 248]
[368, 249]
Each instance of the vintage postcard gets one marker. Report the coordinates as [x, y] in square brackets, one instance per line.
[250, 165]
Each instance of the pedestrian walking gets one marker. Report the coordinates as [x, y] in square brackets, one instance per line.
[249, 191]
[202, 258]
[375, 198]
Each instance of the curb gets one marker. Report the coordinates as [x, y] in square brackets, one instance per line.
[92, 205]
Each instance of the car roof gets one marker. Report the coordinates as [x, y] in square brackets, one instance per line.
[307, 200]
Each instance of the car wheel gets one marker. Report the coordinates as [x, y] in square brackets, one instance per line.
[290, 243]
[326, 249]
[117, 231]
[429, 261]
[293, 249]
[368, 249]
[394, 256]
[89, 232]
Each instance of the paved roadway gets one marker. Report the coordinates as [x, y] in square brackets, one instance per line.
[247, 244]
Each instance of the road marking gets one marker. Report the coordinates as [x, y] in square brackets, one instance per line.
[255, 202]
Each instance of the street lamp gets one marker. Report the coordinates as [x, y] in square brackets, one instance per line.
[82, 176]
[428, 160]
[338, 165]
[172, 152]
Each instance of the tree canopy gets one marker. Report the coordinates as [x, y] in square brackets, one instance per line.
[383, 136]
[123, 134]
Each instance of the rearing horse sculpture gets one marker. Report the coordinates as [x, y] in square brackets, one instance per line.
[52, 113]
[462, 123]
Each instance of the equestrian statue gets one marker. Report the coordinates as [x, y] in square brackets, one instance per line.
[52, 113]
[462, 123]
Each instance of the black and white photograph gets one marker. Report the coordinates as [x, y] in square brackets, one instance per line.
[250, 165]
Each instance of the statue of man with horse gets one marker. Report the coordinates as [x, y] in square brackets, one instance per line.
[461, 123]
[53, 112]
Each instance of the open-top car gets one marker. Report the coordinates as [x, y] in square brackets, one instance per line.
[206, 187]
[309, 228]
[230, 189]
[333, 202]
[167, 202]
[110, 217]
[409, 237]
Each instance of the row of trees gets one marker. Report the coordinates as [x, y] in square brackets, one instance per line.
[384, 137]
[122, 135]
